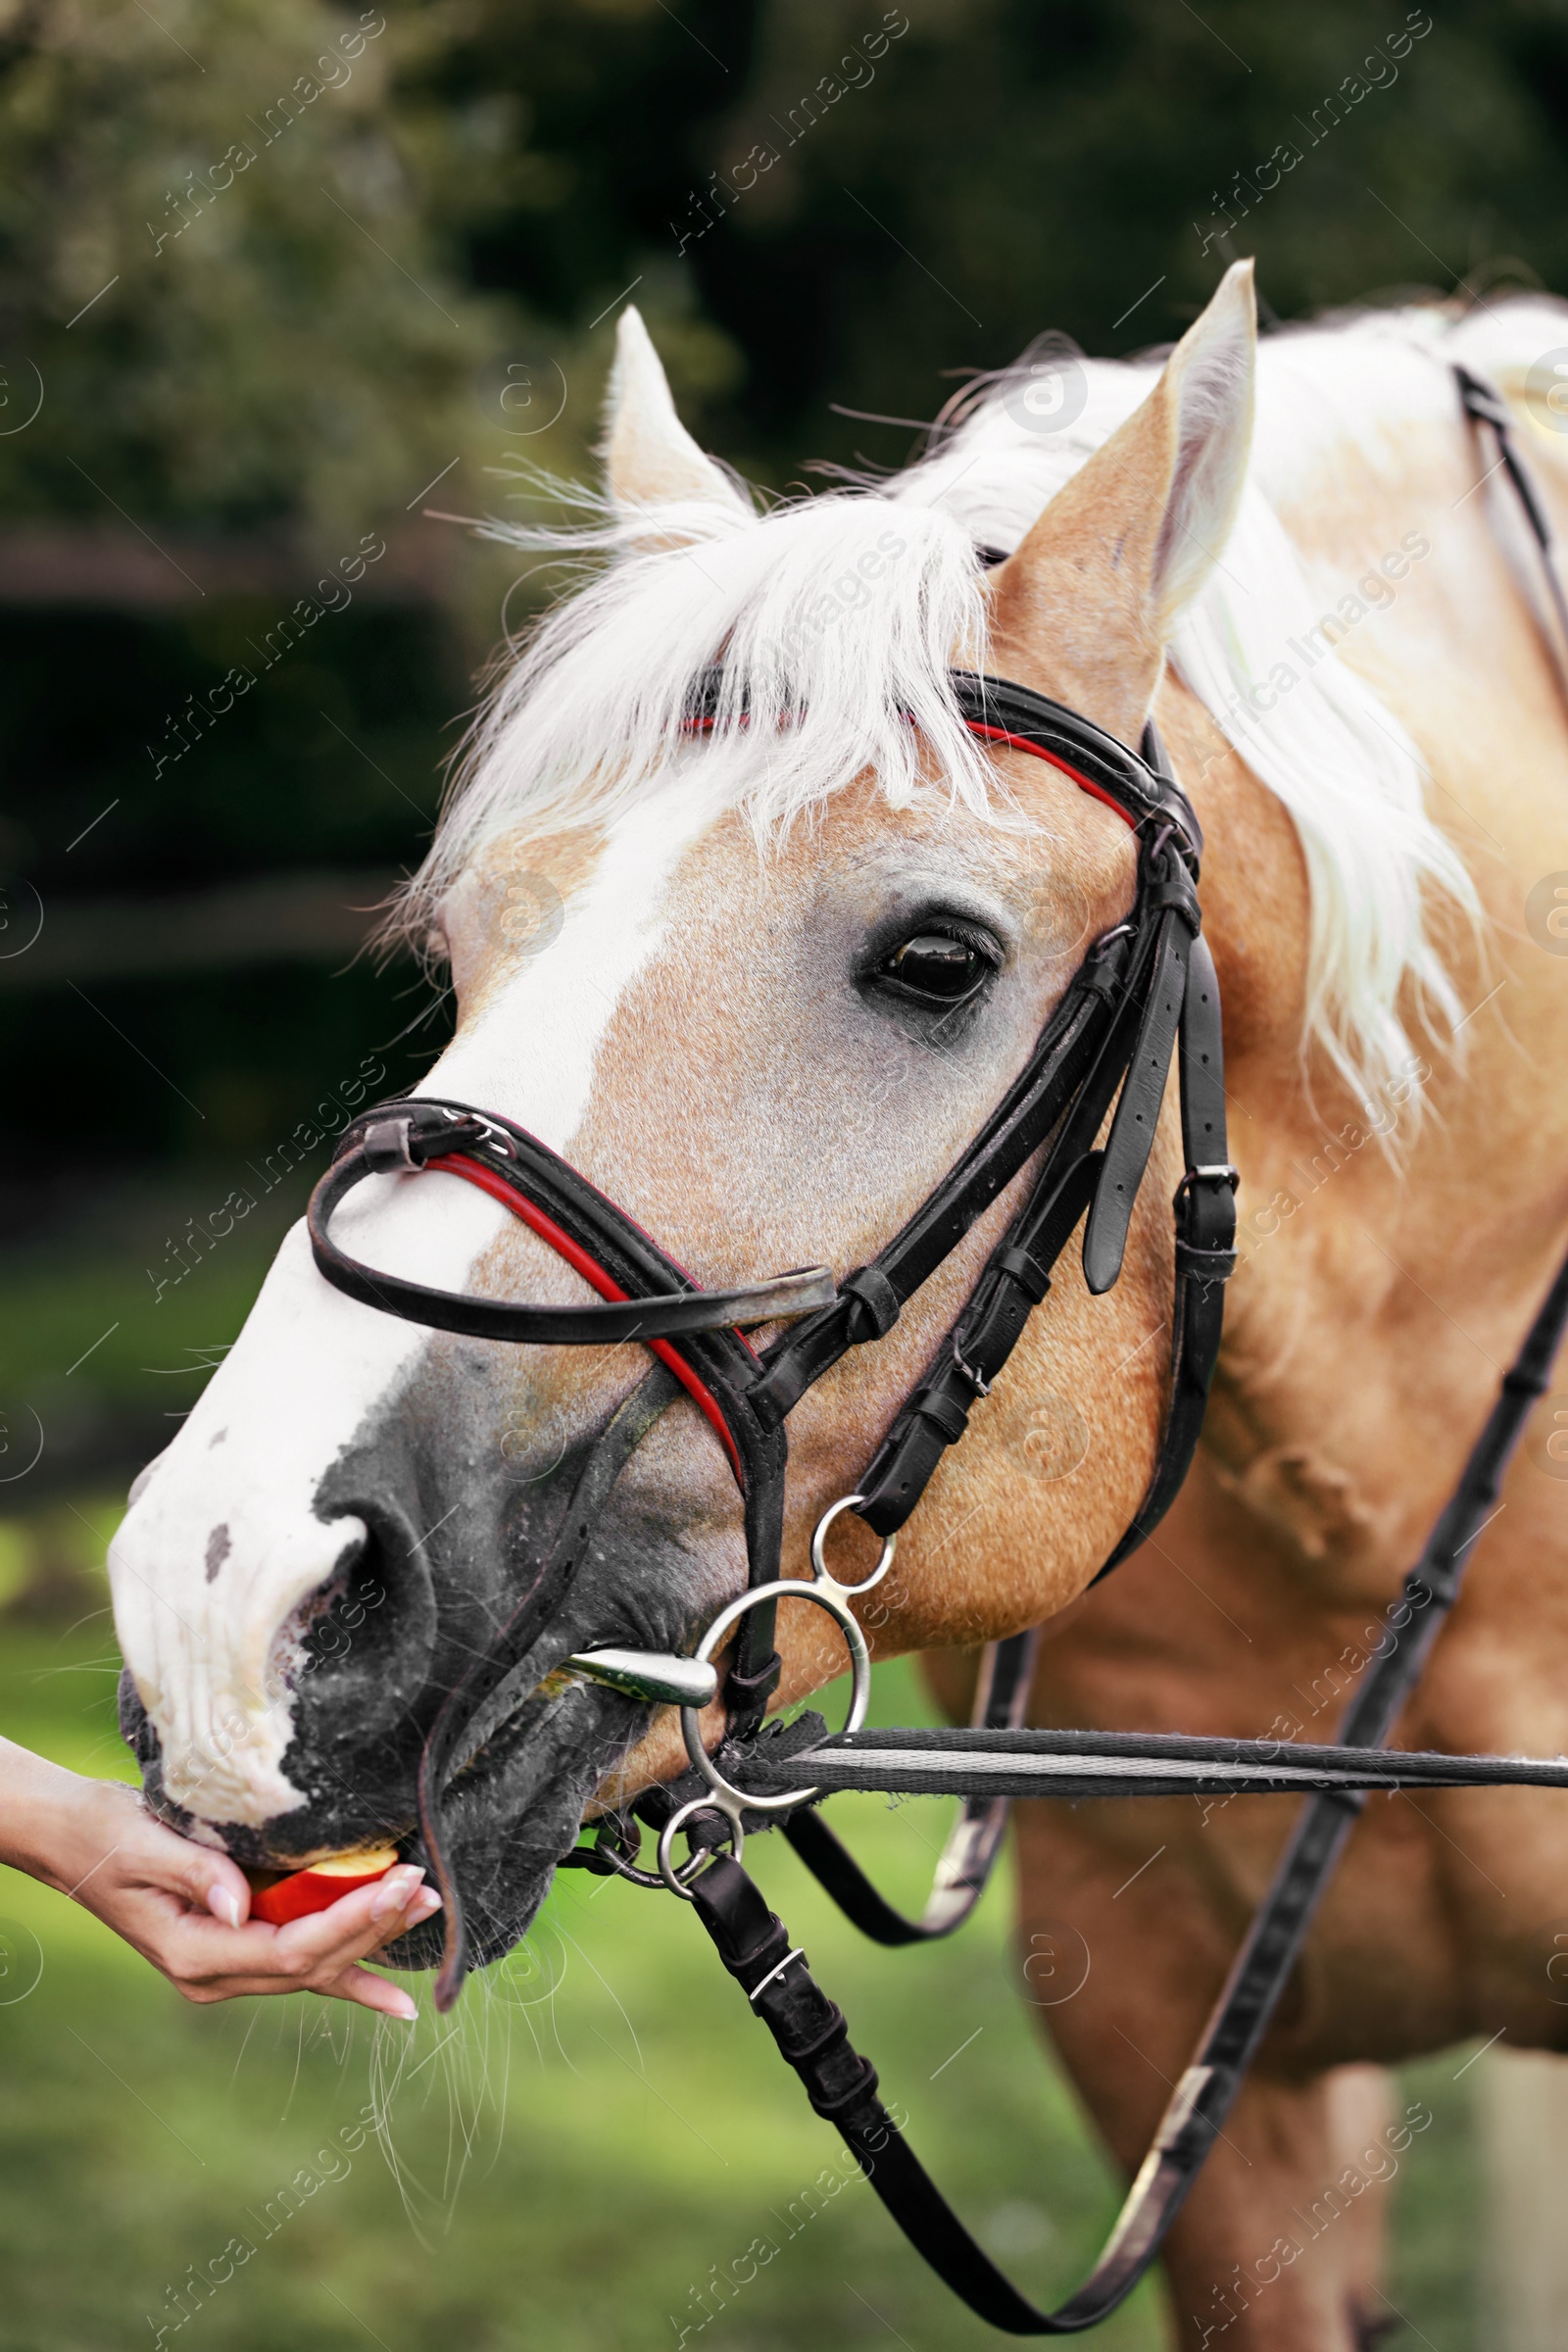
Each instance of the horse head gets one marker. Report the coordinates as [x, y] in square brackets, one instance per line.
[760, 979]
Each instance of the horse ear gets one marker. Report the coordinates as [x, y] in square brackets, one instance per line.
[650, 457]
[1093, 591]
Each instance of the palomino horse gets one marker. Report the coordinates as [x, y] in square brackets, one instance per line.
[787, 967]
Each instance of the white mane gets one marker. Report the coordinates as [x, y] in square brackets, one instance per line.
[837, 616]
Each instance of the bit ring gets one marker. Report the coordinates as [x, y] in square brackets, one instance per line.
[827, 1596]
[825, 1575]
[677, 1879]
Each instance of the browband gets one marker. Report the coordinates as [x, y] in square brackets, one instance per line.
[1139, 786]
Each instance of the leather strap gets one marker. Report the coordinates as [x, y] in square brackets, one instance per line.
[1262, 1967]
[414, 1135]
[972, 1357]
[1205, 1210]
[963, 1870]
[1132, 1131]
[1485, 405]
[1140, 787]
[810, 2033]
[1073, 1764]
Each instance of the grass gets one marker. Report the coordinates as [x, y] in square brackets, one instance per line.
[601, 2137]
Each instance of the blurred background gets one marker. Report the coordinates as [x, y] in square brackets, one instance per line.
[290, 297]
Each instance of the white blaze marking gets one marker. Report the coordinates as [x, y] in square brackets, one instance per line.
[311, 1367]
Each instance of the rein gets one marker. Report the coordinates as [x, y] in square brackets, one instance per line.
[1143, 988]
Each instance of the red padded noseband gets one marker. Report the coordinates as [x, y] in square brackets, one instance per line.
[473, 1171]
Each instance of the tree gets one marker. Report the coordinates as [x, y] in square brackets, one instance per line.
[221, 266]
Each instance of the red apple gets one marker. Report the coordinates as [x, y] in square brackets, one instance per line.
[305, 1890]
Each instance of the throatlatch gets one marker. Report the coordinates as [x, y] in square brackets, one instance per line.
[1145, 989]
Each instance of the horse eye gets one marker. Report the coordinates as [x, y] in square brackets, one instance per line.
[936, 966]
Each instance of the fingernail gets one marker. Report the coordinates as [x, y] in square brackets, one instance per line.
[223, 1903]
[395, 1890]
[426, 1900]
[405, 2010]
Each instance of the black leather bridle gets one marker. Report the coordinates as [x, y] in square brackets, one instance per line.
[1145, 989]
[1142, 986]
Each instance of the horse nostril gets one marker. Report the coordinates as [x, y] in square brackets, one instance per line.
[306, 1634]
[357, 1651]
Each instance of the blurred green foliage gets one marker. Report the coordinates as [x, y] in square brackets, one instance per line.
[216, 186]
[312, 257]
[236, 247]
[1007, 166]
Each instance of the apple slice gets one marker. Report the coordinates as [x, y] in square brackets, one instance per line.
[278, 1900]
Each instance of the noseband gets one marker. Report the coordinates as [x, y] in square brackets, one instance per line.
[1145, 987]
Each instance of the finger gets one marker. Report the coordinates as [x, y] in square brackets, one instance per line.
[367, 1942]
[360, 1923]
[159, 1857]
[319, 1947]
[192, 1956]
[228, 1896]
[196, 1951]
[336, 1973]
[370, 1991]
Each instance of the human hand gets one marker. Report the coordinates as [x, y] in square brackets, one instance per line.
[186, 1908]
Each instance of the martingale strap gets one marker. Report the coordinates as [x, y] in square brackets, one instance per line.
[1484, 405]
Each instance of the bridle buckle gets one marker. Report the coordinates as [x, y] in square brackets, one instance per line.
[1218, 1172]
